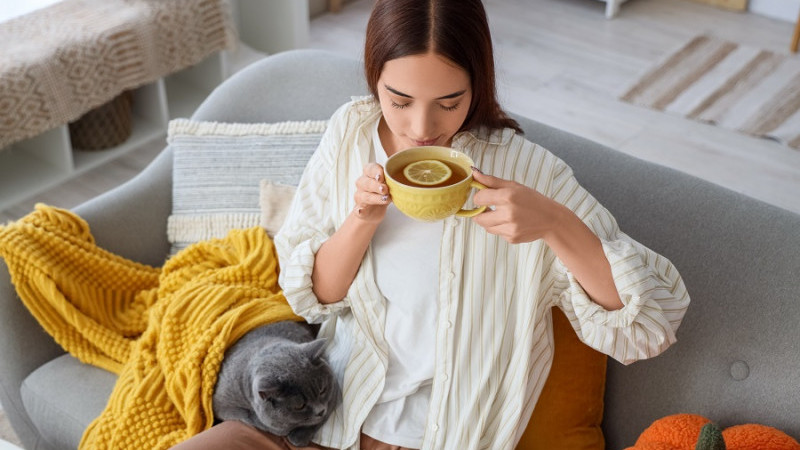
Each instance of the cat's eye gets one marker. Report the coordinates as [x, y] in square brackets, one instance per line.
[265, 397]
[300, 406]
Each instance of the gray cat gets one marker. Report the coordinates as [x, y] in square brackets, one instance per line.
[275, 378]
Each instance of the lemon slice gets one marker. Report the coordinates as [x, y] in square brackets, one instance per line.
[427, 172]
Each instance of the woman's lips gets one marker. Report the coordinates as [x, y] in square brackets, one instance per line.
[424, 143]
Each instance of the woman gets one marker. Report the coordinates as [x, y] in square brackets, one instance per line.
[439, 331]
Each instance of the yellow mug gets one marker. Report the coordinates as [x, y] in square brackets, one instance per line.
[432, 203]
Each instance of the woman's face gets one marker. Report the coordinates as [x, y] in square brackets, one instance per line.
[424, 99]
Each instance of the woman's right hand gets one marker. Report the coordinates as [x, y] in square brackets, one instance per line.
[372, 194]
[338, 259]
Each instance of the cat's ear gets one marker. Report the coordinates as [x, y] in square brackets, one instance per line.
[316, 348]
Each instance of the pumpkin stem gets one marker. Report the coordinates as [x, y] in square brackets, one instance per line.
[710, 438]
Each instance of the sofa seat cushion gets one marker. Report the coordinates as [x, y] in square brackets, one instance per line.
[64, 396]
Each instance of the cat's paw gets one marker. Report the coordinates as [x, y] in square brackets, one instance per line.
[301, 437]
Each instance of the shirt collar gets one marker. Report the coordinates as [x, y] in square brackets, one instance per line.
[485, 135]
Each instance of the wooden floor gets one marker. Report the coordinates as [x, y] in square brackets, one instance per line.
[562, 63]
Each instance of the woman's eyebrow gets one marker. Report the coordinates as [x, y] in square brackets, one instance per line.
[444, 97]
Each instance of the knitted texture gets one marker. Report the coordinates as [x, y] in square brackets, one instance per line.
[695, 432]
[164, 331]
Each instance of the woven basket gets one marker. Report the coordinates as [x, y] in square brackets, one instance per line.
[106, 126]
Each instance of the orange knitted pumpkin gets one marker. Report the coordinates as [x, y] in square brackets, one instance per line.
[693, 432]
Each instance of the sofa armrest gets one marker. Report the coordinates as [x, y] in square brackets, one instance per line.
[25, 346]
[131, 220]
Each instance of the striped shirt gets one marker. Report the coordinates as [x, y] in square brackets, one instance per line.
[494, 345]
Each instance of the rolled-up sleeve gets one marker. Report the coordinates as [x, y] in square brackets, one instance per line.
[650, 287]
[308, 224]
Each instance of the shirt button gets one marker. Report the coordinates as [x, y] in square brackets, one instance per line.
[451, 275]
[448, 324]
[444, 377]
[435, 427]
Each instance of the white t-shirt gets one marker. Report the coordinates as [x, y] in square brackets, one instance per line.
[406, 254]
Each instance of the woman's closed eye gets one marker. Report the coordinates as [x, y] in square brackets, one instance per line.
[400, 105]
[443, 107]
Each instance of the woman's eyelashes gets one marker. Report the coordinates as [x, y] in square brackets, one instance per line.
[443, 107]
[400, 105]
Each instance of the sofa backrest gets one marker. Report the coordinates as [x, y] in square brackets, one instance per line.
[313, 83]
[739, 258]
[735, 361]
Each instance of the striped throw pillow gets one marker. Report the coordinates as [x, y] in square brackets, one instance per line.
[218, 168]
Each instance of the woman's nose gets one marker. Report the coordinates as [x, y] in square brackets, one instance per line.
[423, 126]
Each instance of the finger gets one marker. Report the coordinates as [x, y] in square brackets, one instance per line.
[489, 180]
[366, 184]
[498, 191]
[370, 198]
[490, 196]
[489, 219]
[374, 171]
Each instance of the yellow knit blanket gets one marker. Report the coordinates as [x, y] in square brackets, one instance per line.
[164, 330]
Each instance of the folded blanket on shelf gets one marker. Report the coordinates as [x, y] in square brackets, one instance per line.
[164, 330]
[61, 61]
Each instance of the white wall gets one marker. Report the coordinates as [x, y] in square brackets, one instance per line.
[272, 26]
[777, 9]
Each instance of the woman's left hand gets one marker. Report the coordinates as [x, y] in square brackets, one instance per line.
[520, 214]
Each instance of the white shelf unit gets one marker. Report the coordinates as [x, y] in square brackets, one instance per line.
[44, 161]
[40, 163]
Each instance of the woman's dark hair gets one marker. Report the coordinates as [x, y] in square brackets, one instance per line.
[455, 29]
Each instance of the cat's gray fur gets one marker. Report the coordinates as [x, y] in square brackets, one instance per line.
[276, 379]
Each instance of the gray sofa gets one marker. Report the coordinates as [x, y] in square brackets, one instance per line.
[735, 361]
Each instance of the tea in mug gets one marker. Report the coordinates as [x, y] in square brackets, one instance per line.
[444, 170]
[457, 174]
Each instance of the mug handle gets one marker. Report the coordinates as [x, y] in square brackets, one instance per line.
[472, 212]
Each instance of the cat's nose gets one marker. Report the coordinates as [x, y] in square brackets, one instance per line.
[321, 412]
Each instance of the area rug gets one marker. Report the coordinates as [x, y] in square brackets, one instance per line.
[738, 87]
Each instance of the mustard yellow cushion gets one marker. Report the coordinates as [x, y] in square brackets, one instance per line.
[570, 410]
